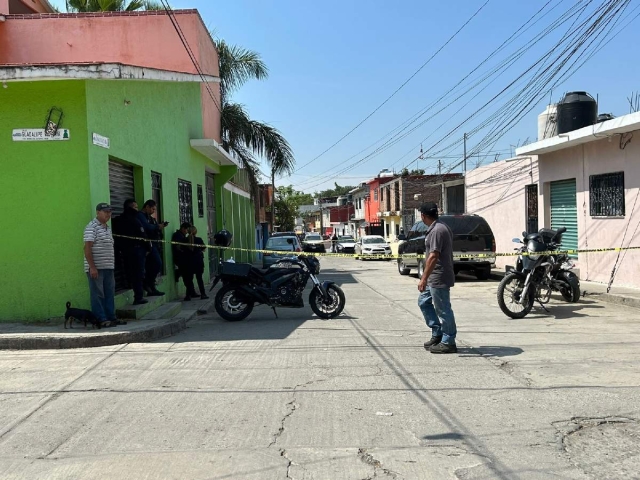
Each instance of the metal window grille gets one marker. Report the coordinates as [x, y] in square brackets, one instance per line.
[606, 195]
[375, 194]
[185, 202]
[532, 208]
[200, 202]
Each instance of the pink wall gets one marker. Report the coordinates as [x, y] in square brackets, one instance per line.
[598, 157]
[496, 192]
[145, 39]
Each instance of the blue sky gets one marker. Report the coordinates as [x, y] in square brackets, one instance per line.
[333, 62]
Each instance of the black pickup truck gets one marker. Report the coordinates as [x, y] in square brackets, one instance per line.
[471, 234]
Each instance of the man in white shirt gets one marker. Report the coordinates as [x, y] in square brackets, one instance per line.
[99, 264]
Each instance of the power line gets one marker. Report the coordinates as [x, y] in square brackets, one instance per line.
[398, 89]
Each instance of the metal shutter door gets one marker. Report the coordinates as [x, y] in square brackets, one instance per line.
[564, 211]
[121, 187]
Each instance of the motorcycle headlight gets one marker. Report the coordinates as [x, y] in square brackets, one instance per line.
[535, 258]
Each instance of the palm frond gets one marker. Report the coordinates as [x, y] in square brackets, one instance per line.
[237, 65]
[249, 164]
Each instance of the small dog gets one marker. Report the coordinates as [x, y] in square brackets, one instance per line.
[80, 315]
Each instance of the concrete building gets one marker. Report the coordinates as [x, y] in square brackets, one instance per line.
[134, 118]
[587, 180]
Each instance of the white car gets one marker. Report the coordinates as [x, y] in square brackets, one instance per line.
[313, 242]
[370, 245]
[346, 244]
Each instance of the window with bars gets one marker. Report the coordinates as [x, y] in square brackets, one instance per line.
[185, 202]
[375, 194]
[606, 195]
[200, 202]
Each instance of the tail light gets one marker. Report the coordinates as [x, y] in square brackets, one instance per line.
[298, 249]
[493, 245]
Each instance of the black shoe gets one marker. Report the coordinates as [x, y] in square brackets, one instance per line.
[204, 297]
[444, 348]
[432, 342]
[140, 301]
[187, 298]
[155, 293]
[118, 322]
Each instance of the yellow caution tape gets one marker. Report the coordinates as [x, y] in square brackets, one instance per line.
[392, 256]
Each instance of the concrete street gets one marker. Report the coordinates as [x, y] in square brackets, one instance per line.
[550, 396]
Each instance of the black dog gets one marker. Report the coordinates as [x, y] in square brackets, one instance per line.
[80, 315]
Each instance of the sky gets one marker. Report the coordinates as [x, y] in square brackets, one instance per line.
[332, 63]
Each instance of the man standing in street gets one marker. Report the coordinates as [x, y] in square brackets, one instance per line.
[154, 231]
[436, 282]
[99, 263]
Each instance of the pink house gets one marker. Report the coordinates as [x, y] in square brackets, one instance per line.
[587, 180]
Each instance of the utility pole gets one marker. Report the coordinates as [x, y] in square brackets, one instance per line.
[273, 199]
[465, 154]
[420, 158]
[439, 167]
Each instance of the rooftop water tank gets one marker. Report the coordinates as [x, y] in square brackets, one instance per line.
[548, 122]
[576, 110]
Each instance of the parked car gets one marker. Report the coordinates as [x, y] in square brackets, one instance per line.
[281, 243]
[346, 244]
[471, 234]
[370, 245]
[313, 242]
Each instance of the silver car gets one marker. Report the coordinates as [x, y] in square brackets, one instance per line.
[372, 246]
[289, 245]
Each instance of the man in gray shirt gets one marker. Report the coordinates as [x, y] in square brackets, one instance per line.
[436, 281]
[99, 264]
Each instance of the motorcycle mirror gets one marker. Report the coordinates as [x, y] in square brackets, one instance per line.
[524, 234]
[517, 240]
[561, 230]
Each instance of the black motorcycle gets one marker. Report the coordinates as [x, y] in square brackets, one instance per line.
[539, 271]
[281, 285]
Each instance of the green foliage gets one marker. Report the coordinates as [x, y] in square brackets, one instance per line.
[111, 5]
[335, 192]
[416, 171]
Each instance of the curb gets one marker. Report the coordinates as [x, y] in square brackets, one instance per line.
[61, 341]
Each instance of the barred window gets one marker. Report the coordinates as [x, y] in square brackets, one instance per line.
[606, 195]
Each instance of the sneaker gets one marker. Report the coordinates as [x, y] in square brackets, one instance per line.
[141, 301]
[115, 321]
[106, 324]
[204, 297]
[432, 342]
[155, 293]
[444, 348]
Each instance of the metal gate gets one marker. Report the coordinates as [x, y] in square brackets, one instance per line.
[532, 207]
[564, 211]
[156, 195]
[211, 221]
[121, 188]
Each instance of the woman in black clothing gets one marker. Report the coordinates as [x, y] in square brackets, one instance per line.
[196, 253]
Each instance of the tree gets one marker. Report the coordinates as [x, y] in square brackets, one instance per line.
[335, 192]
[287, 206]
[111, 5]
[240, 134]
[417, 171]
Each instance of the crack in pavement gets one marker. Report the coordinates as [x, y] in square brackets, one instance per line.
[369, 459]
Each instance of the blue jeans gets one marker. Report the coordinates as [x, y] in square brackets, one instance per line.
[103, 291]
[436, 309]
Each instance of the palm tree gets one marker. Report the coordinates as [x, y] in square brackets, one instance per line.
[240, 134]
[111, 5]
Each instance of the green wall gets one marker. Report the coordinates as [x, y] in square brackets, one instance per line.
[44, 202]
[48, 190]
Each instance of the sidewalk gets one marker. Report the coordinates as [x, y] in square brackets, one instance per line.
[629, 297]
[166, 320]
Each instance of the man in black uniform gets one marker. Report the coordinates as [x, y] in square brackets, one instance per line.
[154, 231]
[134, 250]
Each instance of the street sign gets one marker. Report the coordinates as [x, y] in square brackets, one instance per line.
[38, 135]
[100, 141]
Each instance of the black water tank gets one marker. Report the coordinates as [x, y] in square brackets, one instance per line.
[576, 110]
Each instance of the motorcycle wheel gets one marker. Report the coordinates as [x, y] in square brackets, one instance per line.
[229, 307]
[331, 308]
[570, 289]
[509, 292]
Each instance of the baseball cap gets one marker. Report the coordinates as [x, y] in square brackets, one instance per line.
[103, 206]
[430, 209]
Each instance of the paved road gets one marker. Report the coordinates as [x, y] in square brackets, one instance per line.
[551, 396]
